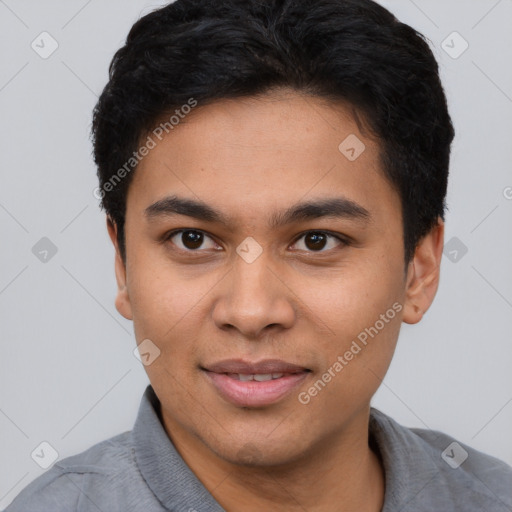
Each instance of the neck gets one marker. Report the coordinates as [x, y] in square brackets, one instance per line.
[338, 474]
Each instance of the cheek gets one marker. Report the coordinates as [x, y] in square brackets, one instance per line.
[362, 309]
[355, 297]
[167, 307]
[358, 359]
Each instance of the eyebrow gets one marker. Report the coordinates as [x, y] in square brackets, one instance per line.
[337, 207]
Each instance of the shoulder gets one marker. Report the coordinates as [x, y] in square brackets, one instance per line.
[475, 470]
[79, 478]
[440, 471]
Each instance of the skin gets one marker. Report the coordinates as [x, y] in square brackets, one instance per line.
[247, 158]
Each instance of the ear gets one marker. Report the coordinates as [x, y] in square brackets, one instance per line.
[122, 299]
[423, 274]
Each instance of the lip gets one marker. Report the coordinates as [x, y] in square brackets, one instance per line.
[254, 393]
[264, 366]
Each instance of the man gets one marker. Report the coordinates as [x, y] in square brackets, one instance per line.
[274, 177]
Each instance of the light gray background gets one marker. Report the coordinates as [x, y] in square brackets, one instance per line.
[68, 374]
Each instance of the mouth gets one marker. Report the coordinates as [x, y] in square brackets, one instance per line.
[247, 384]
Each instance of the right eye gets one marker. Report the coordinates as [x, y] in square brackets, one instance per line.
[191, 240]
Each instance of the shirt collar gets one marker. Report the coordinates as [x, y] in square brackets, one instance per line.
[408, 468]
[162, 467]
[176, 486]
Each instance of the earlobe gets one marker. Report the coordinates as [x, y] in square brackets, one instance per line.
[423, 274]
[122, 302]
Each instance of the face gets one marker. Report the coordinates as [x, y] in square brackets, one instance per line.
[256, 249]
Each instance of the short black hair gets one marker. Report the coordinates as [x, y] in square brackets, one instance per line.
[355, 51]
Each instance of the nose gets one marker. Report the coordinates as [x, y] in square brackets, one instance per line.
[254, 300]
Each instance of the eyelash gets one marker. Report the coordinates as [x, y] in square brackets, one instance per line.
[344, 241]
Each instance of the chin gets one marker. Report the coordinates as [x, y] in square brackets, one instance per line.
[261, 452]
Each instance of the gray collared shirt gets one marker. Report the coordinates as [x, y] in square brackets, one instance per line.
[140, 470]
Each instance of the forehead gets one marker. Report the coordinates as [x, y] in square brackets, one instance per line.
[258, 152]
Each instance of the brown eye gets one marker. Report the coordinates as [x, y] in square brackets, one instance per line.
[191, 240]
[316, 241]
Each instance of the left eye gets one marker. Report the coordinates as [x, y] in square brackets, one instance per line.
[191, 239]
[316, 241]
